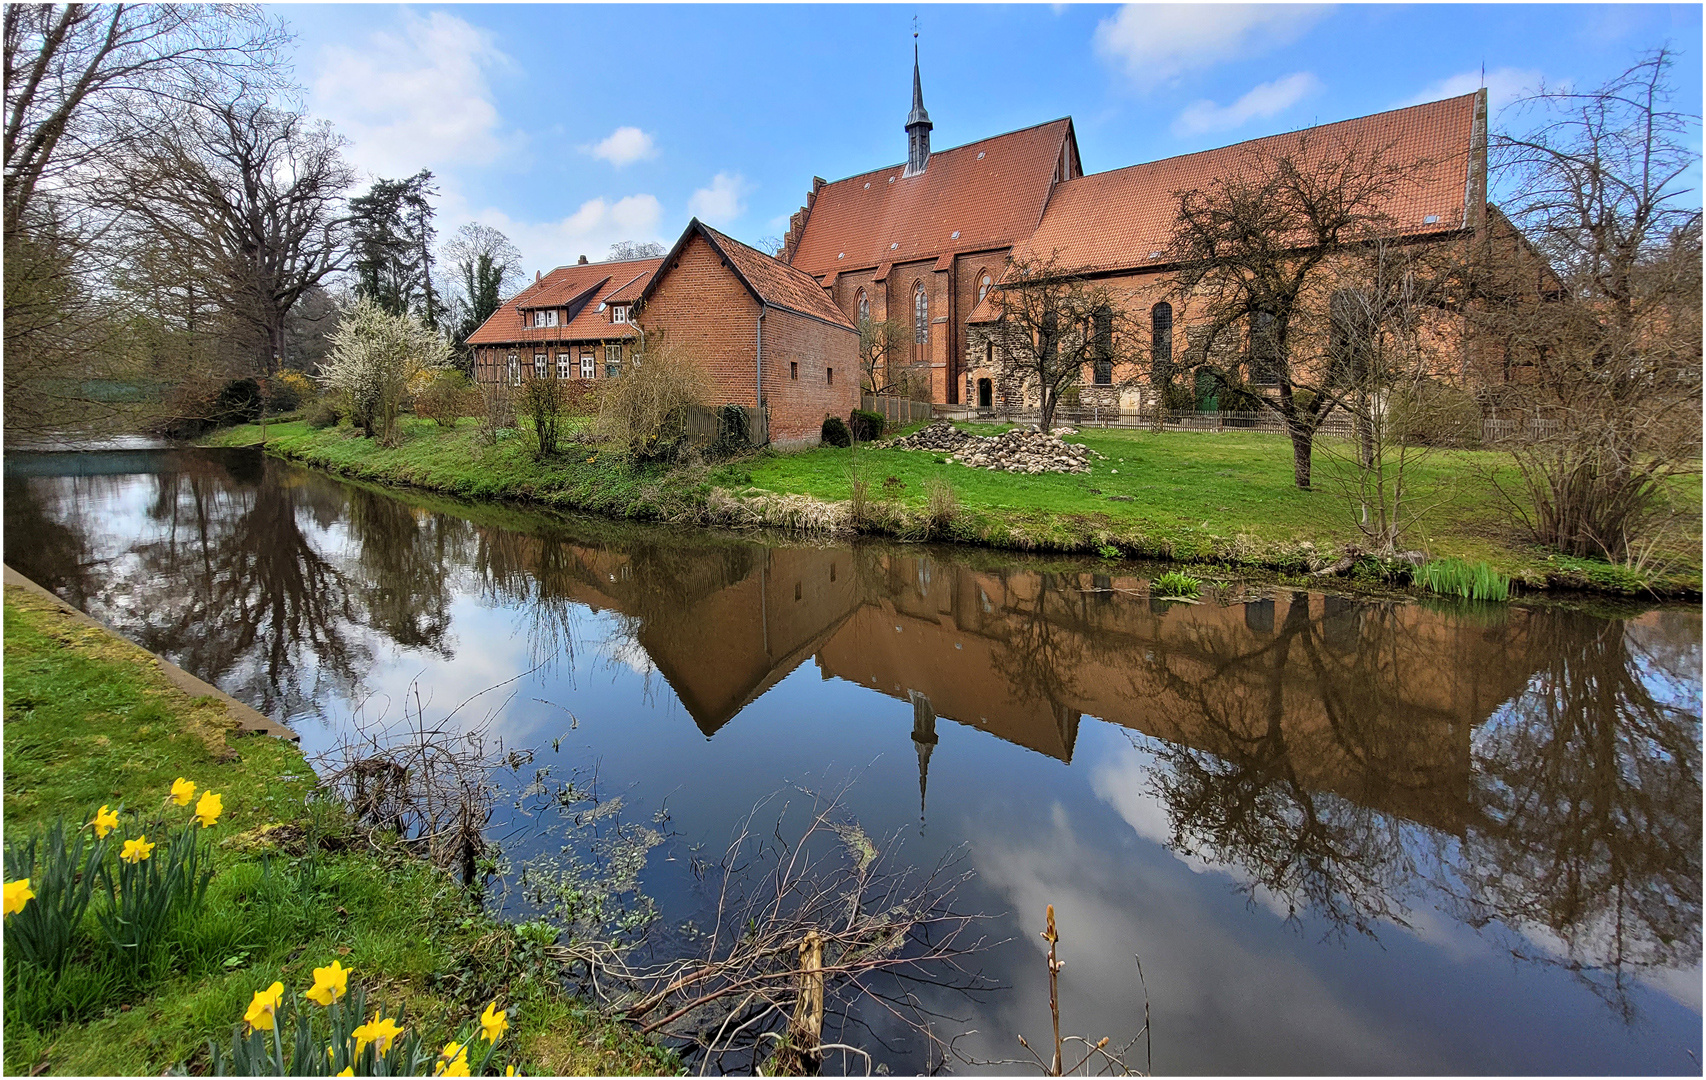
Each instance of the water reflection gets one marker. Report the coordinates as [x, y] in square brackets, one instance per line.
[1535, 773]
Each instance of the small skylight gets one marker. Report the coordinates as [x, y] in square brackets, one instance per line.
[956, 235]
[867, 183]
[894, 245]
[841, 255]
[1431, 219]
[980, 155]
[891, 179]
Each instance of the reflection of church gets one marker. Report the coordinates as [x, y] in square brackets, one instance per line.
[1375, 703]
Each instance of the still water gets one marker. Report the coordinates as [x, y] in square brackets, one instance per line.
[1344, 835]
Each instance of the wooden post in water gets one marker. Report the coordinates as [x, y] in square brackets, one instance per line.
[807, 1027]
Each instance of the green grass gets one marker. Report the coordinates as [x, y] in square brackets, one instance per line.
[1197, 497]
[1471, 581]
[89, 719]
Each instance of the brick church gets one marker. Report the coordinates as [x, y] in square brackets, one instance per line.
[923, 243]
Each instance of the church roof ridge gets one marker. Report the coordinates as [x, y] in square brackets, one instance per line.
[901, 165]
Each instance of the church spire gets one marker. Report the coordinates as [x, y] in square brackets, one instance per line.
[918, 123]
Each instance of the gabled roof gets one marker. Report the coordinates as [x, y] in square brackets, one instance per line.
[578, 290]
[769, 280]
[1116, 219]
[990, 192]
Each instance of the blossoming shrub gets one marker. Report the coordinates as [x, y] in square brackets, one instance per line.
[328, 1036]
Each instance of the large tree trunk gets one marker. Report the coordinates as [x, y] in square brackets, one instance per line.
[1048, 403]
[1302, 446]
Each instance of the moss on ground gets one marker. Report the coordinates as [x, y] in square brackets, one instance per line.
[90, 719]
[1222, 497]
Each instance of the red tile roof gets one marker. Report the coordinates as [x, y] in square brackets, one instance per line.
[1116, 219]
[579, 290]
[990, 192]
[770, 281]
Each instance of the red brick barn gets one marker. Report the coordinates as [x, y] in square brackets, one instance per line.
[767, 333]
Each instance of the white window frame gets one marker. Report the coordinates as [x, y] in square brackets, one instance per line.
[514, 370]
[538, 318]
[612, 367]
[563, 364]
[619, 313]
[541, 365]
[589, 363]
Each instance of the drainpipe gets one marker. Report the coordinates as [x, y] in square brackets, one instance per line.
[758, 396]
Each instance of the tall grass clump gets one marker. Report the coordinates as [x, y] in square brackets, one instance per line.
[941, 505]
[1176, 583]
[1454, 577]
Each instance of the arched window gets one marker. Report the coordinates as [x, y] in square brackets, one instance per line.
[1267, 356]
[1161, 338]
[1104, 346]
[920, 314]
[864, 307]
[984, 283]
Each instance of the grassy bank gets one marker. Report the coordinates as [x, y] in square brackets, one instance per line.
[89, 719]
[1226, 498]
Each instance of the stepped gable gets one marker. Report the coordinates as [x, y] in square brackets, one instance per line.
[992, 201]
[579, 289]
[1122, 219]
[770, 280]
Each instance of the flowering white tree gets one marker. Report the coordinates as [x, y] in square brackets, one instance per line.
[378, 357]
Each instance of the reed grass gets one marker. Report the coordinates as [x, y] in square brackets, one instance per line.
[1471, 581]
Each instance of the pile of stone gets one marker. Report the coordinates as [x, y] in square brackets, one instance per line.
[1025, 450]
[1021, 450]
[938, 437]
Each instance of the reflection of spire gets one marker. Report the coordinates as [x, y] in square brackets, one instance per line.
[924, 740]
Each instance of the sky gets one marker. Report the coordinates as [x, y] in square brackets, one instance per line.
[570, 127]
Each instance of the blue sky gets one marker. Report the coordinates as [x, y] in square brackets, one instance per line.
[572, 126]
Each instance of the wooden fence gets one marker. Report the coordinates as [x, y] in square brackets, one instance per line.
[898, 411]
[706, 425]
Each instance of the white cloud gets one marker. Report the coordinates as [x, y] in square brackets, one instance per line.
[1156, 43]
[1268, 99]
[723, 201]
[624, 146]
[414, 97]
[1504, 85]
[590, 230]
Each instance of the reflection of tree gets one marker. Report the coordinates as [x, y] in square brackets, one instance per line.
[1043, 648]
[406, 560]
[237, 592]
[1589, 788]
[1239, 800]
[55, 554]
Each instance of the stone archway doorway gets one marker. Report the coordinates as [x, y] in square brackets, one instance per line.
[985, 394]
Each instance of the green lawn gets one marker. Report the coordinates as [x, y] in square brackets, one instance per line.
[1219, 497]
[89, 719]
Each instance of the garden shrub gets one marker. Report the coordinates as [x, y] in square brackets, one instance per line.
[867, 426]
[542, 400]
[238, 402]
[644, 410]
[323, 413]
[445, 399]
[835, 432]
[733, 435]
[1431, 413]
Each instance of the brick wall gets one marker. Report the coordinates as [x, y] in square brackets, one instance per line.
[702, 307]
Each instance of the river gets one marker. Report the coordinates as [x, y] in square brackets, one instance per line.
[1344, 835]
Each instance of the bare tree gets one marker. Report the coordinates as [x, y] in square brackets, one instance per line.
[486, 264]
[625, 250]
[1396, 339]
[81, 78]
[1607, 378]
[881, 342]
[1054, 326]
[83, 82]
[252, 197]
[1259, 249]
[770, 245]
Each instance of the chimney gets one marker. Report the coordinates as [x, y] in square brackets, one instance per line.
[536, 276]
[582, 261]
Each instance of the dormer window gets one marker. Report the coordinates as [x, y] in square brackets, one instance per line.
[546, 317]
[619, 313]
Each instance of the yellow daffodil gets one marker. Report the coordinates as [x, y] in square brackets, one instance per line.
[509, 1070]
[492, 1023]
[183, 791]
[453, 1061]
[263, 1008]
[380, 1032]
[207, 811]
[349, 1070]
[105, 822]
[18, 893]
[137, 850]
[330, 984]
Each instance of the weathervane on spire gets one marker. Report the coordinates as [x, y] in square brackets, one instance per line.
[917, 121]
